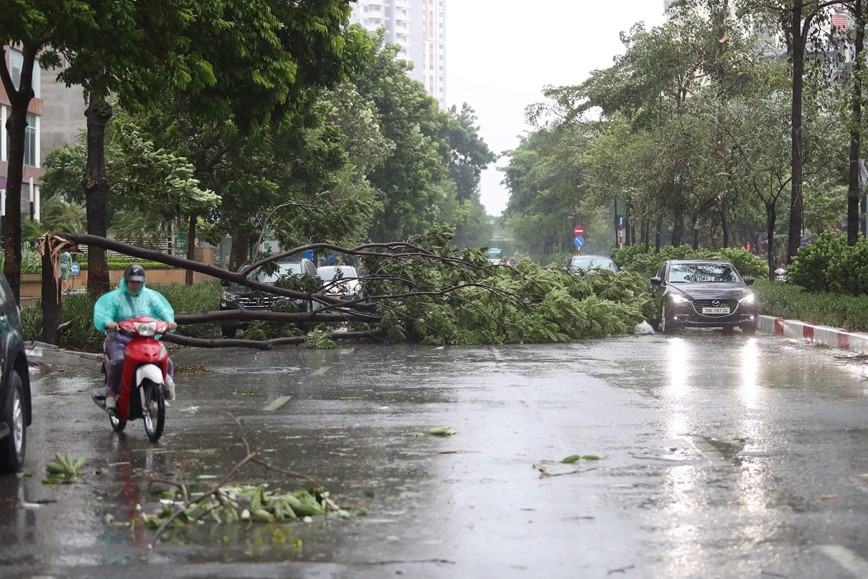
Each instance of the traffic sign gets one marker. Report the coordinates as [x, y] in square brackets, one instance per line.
[75, 268]
[578, 241]
[579, 230]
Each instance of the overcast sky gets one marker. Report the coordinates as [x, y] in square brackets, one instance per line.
[500, 54]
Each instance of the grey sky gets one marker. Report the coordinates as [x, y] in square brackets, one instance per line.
[500, 55]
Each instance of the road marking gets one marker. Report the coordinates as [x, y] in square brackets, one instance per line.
[321, 371]
[277, 403]
[847, 559]
[708, 451]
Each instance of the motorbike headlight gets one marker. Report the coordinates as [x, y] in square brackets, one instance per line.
[748, 299]
[678, 299]
[146, 329]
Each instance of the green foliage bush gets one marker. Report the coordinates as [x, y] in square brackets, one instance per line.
[81, 336]
[847, 272]
[194, 299]
[790, 301]
[645, 261]
[121, 262]
[809, 267]
[31, 261]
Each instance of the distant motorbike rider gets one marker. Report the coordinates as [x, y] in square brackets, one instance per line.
[130, 300]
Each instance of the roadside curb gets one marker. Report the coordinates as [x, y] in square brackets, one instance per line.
[815, 334]
[43, 355]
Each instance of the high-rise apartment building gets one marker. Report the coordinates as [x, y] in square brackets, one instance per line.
[418, 27]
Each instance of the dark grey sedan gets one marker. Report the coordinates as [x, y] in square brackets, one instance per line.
[703, 294]
[15, 409]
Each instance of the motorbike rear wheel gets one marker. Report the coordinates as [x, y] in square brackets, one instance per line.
[154, 411]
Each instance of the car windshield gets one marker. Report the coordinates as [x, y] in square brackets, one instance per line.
[588, 263]
[703, 273]
[283, 269]
[330, 272]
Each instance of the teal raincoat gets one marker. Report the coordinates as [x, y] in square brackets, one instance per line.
[122, 304]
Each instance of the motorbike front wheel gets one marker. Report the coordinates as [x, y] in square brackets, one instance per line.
[118, 423]
[153, 410]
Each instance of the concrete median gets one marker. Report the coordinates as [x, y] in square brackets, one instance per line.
[838, 338]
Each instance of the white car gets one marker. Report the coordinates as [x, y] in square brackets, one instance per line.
[340, 281]
[587, 263]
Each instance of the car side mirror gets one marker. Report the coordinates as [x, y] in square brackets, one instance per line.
[656, 280]
[748, 280]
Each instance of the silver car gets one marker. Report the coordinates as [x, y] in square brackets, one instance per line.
[587, 263]
[340, 281]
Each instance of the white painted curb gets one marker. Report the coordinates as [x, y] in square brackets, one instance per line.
[823, 335]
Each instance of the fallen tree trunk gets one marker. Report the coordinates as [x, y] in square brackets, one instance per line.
[263, 344]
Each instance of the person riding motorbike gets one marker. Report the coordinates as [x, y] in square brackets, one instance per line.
[130, 300]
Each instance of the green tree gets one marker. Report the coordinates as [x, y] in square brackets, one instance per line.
[408, 179]
[469, 157]
[39, 29]
[248, 64]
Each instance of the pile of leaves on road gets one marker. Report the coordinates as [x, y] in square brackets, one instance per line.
[63, 469]
[239, 503]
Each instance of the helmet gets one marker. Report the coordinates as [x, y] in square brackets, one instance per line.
[134, 272]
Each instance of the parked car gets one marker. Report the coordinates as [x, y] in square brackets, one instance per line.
[237, 296]
[15, 405]
[703, 294]
[340, 281]
[586, 263]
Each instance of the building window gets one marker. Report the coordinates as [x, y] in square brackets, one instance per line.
[16, 64]
[30, 141]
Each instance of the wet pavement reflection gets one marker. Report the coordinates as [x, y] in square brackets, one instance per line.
[720, 456]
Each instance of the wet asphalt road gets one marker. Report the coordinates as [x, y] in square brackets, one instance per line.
[721, 456]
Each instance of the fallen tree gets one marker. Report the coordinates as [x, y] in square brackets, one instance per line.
[424, 290]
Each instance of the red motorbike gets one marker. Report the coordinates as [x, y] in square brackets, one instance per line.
[146, 363]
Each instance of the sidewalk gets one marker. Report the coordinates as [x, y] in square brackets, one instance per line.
[51, 358]
[822, 335]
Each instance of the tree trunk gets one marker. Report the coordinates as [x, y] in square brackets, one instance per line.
[16, 125]
[191, 248]
[239, 251]
[771, 218]
[677, 228]
[794, 239]
[694, 222]
[856, 131]
[722, 35]
[50, 300]
[96, 187]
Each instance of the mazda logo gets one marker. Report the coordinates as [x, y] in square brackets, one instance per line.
[715, 303]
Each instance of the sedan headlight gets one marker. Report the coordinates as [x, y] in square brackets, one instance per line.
[748, 299]
[677, 299]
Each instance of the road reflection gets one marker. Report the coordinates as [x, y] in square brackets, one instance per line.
[678, 358]
[749, 363]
